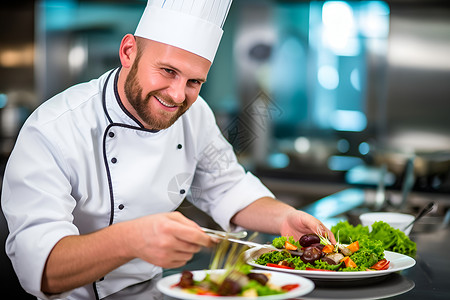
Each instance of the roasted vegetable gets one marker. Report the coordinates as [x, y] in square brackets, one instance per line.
[187, 279]
[307, 240]
[311, 254]
[335, 257]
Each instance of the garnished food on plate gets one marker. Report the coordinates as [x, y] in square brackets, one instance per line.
[356, 249]
[237, 278]
[235, 283]
[315, 252]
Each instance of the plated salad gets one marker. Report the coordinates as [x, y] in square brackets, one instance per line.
[359, 250]
[235, 283]
[314, 252]
[229, 275]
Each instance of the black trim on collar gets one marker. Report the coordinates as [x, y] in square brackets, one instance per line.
[119, 101]
[105, 85]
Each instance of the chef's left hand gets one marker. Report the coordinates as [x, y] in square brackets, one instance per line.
[297, 223]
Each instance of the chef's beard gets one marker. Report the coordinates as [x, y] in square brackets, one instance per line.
[153, 119]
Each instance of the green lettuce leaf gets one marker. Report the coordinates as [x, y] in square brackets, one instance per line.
[392, 239]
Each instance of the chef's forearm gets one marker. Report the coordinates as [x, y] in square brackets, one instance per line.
[79, 260]
[264, 215]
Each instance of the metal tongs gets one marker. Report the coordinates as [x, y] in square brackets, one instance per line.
[223, 234]
[235, 237]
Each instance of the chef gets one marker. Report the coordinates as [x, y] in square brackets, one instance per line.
[97, 171]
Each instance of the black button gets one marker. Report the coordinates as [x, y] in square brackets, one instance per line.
[179, 146]
[113, 160]
[182, 191]
[101, 279]
[111, 134]
[121, 206]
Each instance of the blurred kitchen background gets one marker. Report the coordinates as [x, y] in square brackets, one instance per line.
[319, 98]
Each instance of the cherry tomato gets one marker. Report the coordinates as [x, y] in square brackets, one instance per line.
[309, 239]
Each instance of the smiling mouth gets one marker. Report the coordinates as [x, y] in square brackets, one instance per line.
[164, 103]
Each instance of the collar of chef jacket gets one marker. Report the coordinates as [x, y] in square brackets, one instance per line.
[114, 109]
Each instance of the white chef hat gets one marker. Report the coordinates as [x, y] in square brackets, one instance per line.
[192, 25]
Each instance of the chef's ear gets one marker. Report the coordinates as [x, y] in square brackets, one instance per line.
[128, 50]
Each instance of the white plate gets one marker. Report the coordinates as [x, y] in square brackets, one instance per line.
[398, 262]
[165, 285]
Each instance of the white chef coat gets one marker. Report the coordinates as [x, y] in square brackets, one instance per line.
[82, 162]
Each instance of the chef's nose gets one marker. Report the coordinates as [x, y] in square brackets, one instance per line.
[177, 90]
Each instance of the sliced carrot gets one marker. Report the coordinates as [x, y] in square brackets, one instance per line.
[328, 248]
[289, 246]
[353, 246]
[349, 263]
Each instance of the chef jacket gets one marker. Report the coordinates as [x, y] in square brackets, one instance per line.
[82, 162]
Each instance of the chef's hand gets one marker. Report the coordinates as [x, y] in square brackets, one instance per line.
[168, 240]
[298, 223]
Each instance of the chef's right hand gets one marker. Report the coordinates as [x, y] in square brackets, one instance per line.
[168, 240]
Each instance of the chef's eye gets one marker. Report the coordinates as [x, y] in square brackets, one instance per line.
[194, 81]
[169, 71]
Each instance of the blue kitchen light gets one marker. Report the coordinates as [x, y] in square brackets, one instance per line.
[343, 163]
[278, 160]
[328, 77]
[364, 148]
[343, 145]
[348, 120]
